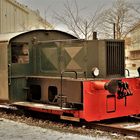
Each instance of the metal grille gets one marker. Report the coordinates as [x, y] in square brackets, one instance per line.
[115, 57]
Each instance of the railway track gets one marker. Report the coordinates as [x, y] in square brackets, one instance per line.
[127, 126]
[124, 128]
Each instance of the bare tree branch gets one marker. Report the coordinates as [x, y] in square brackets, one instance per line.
[123, 14]
[80, 25]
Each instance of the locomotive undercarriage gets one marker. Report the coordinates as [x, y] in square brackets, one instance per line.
[51, 91]
[92, 100]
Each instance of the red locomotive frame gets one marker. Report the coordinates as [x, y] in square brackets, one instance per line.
[98, 103]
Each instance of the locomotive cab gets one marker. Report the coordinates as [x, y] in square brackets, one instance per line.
[30, 71]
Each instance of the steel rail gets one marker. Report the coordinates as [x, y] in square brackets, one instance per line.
[115, 129]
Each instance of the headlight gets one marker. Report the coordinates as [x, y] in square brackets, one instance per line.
[95, 71]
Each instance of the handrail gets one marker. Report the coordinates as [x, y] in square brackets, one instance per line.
[9, 74]
[69, 72]
[138, 69]
[62, 83]
[128, 72]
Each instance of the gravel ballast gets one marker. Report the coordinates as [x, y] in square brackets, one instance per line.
[20, 127]
[10, 130]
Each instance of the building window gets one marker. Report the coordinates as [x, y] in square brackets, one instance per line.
[20, 53]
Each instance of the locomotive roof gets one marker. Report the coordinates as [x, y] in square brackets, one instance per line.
[5, 37]
[46, 31]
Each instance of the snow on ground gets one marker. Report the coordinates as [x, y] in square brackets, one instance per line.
[10, 130]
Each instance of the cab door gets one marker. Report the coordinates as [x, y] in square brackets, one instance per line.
[19, 69]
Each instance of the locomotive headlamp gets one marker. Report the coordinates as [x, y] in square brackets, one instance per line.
[95, 71]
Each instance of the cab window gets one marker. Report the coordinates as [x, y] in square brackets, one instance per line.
[20, 53]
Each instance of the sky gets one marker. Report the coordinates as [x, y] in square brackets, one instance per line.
[51, 6]
[57, 5]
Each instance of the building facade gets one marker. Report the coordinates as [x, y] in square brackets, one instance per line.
[133, 49]
[15, 17]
